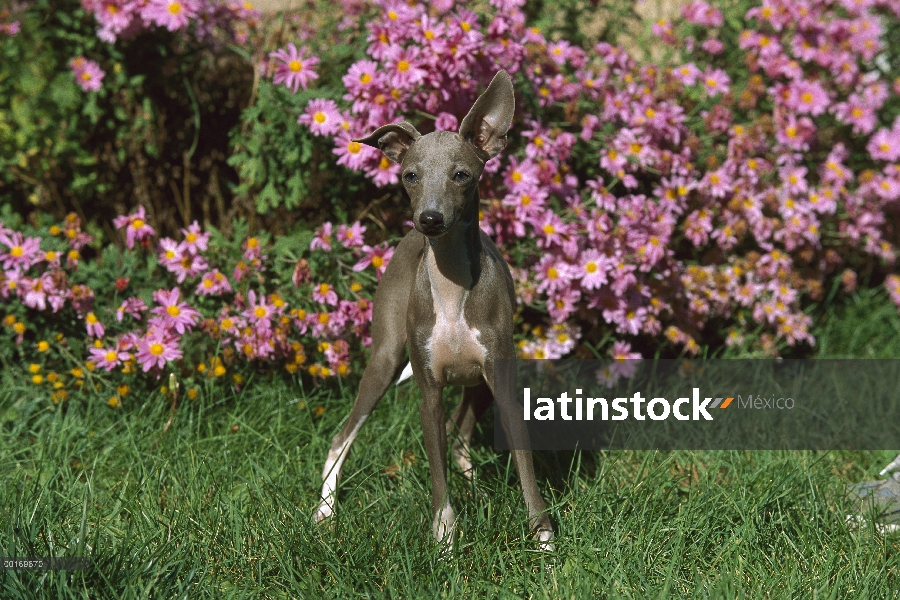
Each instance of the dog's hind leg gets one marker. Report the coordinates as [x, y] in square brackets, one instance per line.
[475, 401]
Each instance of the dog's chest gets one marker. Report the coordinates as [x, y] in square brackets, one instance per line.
[455, 352]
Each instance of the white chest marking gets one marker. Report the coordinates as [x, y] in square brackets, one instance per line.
[456, 355]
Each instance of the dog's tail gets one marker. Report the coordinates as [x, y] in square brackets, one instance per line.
[406, 374]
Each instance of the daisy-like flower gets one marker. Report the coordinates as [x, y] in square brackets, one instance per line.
[325, 294]
[378, 257]
[94, 327]
[88, 74]
[213, 283]
[172, 313]
[295, 69]
[108, 358]
[445, 122]
[352, 236]
[593, 267]
[808, 97]
[259, 311]
[133, 306]
[155, 349]
[625, 361]
[361, 76]
[195, 241]
[322, 117]
[352, 155]
[323, 238]
[136, 226]
[403, 65]
[21, 252]
[716, 82]
[885, 143]
[171, 14]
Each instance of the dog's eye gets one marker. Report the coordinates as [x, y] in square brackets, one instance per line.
[461, 177]
[411, 177]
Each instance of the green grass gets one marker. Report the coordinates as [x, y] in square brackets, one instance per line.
[219, 505]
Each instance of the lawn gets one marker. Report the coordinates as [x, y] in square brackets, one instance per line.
[219, 505]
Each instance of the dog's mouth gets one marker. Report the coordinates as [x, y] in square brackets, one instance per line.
[433, 224]
[432, 231]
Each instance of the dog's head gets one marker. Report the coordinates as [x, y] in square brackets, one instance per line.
[440, 170]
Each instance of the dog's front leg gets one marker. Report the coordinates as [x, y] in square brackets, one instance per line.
[443, 519]
[501, 378]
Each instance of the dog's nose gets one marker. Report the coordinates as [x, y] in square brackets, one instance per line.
[431, 219]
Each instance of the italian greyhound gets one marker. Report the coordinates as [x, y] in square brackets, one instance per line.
[447, 292]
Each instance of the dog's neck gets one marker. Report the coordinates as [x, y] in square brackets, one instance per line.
[457, 253]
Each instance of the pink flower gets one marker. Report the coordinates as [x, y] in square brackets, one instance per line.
[259, 311]
[378, 257]
[688, 74]
[295, 70]
[885, 144]
[352, 155]
[87, 73]
[807, 97]
[171, 14]
[132, 306]
[322, 117]
[174, 314]
[446, 122]
[404, 67]
[195, 241]
[137, 227]
[155, 349]
[593, 268]
[325, 294]
[352, 236]
[213, 283]
[716, 81]
[323, 237]
[94, 327]
[108, 358]
[20, 251]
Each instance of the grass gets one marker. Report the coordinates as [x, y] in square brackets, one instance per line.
[219, 505]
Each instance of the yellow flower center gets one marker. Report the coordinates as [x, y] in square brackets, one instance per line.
[403, 66]
[365, 78]
[110, 356]
[175, 8]
[552, 273]
[295, 65]
[354, 147]
[526, 199]
[91, 318]
[807, 97]
[377, 262]
[319, 117]
[591, 267]
[156, 349]
[17, 251]
[173, 311]
[465, 25]
[260, 312]
[516, 176]
[323, 289]
[137, 223]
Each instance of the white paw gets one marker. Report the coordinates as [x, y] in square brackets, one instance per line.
[324, 511]
[545, 540]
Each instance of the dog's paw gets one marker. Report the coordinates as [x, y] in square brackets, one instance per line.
[324, 511]
[544, 538]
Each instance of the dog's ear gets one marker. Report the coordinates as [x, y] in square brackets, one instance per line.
[486, 124]
[393, 140]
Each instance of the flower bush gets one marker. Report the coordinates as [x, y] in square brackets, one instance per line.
[720, 192]
[714, 196]
[204, 306]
